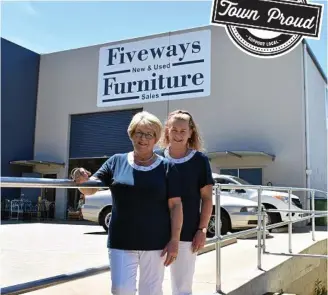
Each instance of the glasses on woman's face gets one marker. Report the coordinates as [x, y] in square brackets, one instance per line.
[140, 134]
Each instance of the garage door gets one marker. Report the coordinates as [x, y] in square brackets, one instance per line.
[100, 134]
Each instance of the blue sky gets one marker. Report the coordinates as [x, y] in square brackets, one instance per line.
[53, 26]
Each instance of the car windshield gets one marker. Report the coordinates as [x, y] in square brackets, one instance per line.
[241, 181]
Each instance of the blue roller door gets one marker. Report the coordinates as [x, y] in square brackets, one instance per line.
[100, 134]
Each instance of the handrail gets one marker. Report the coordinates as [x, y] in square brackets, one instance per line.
[262, 227]
[261, 213]
[48, 183]
[68, 183]
[272, 188]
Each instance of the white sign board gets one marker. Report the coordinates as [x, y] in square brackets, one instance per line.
[160, 69]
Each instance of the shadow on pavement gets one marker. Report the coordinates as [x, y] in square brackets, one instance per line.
[101, 233]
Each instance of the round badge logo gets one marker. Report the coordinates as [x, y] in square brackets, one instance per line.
[263, 43]
[267, 28]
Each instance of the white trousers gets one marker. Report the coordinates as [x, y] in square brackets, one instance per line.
[124, 268]
[182, 270]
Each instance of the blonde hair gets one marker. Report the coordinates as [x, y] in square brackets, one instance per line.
[145, 119]
[194, 142]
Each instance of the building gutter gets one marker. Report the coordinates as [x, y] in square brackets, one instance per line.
[307, 139]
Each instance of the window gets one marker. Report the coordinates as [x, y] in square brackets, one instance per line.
[251, 176]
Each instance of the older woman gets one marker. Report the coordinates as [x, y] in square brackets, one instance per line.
[182, 144]
[147, 211]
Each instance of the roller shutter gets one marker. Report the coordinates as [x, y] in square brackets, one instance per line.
[100, 134]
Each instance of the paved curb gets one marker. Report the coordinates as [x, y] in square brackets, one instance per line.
[60, 279]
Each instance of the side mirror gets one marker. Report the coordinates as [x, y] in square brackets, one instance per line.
[240, 191]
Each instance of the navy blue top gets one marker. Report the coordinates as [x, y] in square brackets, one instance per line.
[195, 173]
[140, 213]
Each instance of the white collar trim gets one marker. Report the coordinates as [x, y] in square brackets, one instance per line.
[181, 160]
[143, 168]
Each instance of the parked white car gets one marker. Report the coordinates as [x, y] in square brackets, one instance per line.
[236, 213]
[270, 199]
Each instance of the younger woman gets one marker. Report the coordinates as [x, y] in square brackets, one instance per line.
[181, 144]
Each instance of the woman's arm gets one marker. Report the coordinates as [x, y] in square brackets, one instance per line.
[81, 175]
[206, 190]
[176, 213]
[104, 174]
[89, 191]
[207, 205]
[175, 206]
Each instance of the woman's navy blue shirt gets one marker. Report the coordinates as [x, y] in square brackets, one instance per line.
[140, 213]
[195, 173]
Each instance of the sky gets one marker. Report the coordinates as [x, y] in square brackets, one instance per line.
[50, 26]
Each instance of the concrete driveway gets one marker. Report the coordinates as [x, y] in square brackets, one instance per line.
[34, 251]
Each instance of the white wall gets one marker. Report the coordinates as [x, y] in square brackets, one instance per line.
[316, 93]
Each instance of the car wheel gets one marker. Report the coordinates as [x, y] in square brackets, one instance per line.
[106, 216]
[211, 227]
[272, 217]
[225, 225]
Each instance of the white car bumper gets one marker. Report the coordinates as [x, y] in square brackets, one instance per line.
[295, 216]
[90, 213]
[243, 220]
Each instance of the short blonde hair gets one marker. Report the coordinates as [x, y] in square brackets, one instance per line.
[145, 119]
[194, 142]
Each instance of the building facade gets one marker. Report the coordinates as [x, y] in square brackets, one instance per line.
[19, 85]
[261, 119]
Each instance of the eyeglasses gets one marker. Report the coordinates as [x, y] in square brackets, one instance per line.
[139, 134]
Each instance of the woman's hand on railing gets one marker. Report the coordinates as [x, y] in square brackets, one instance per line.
[80, 175]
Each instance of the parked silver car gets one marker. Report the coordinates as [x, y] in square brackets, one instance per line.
[236, 213]
[270, 199]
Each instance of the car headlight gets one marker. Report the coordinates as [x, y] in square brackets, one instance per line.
[249, 209]
[281, 198]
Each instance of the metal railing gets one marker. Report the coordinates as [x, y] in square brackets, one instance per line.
[260, 230]
[19, 182]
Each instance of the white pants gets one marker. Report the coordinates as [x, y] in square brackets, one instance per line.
[182, 270]
[124, 266]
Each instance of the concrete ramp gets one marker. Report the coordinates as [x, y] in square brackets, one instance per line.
[296, 275]
[240, 276]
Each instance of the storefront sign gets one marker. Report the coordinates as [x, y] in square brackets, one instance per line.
[166, 68]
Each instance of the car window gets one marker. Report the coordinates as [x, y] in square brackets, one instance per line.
[223, 181]
[219, 180]
[241, 181]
